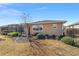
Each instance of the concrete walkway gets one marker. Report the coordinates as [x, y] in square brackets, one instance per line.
[20, 39]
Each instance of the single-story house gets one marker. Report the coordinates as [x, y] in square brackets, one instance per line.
[50, 27]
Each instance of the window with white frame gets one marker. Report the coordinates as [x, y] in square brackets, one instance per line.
[37, 28]
[54, 25]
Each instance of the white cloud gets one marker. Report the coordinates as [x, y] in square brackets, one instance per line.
[5, 3]
[4, 10]
[2, 7]
[42, 8]
[10, 12]
[8, 15]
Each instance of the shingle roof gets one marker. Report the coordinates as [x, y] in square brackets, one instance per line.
[77, 23]
[38, 22]
[48, 21]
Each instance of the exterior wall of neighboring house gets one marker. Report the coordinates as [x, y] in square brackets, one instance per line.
[76, 26]
[72, 30]
[11, 28]
[48, 28]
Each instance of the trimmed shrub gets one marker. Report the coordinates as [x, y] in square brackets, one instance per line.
[60, 37]
[47, 36]
[76, 42]
[50, 36]
[68, 40]
[53, 36]
[40, 36]
[13, 34]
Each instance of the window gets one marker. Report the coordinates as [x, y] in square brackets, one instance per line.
[37, 27]
[54, 25]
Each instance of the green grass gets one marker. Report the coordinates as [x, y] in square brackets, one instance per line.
[76, 40]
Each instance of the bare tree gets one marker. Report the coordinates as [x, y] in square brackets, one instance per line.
[26, 18]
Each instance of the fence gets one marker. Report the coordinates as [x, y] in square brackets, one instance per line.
[72, 32]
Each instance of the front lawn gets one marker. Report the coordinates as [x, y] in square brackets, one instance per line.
[51, 47]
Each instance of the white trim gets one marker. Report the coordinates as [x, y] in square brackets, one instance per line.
[35, 26]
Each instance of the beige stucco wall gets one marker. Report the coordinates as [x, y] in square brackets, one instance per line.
[48, 29]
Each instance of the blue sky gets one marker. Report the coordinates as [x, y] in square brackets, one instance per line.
[12, 13]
